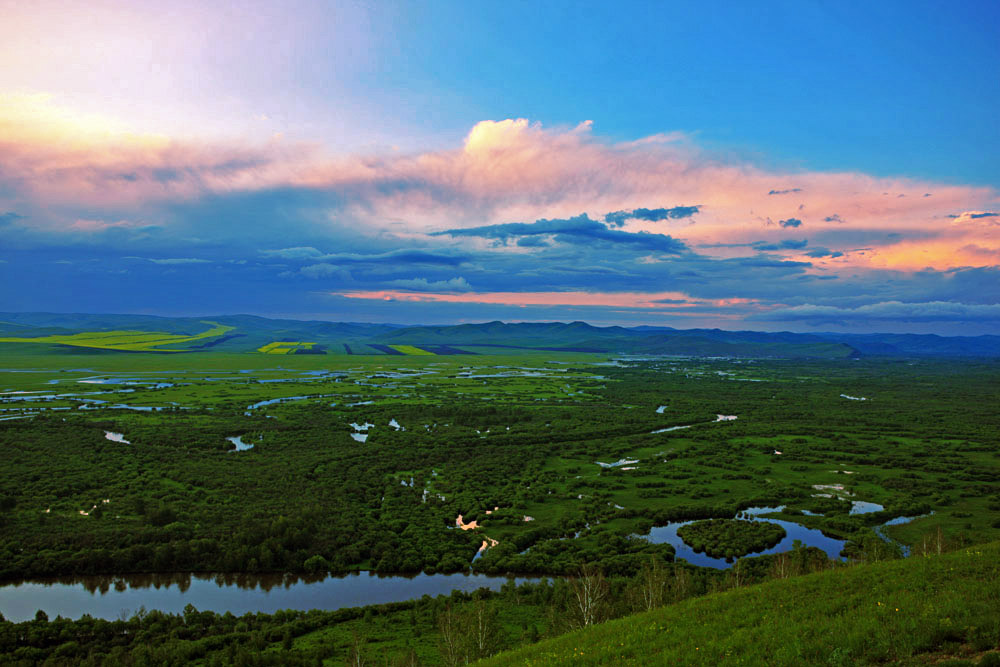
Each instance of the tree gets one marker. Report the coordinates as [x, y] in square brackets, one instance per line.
[588, 600]
[651, 585]
[451, 642]
[355, 655]
[484, 633]
[470, 634]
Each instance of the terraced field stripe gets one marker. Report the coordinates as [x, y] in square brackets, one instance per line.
[411, 350]
[384, 349]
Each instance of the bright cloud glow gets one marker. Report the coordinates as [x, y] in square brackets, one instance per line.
[319, 158]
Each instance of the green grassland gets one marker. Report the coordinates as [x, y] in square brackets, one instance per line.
[410, 349]
[919, 611]
[522, 434]
[247, 333]
[125, 341]
[500, 439]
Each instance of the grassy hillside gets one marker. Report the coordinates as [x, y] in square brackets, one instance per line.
[914, 611]
[126, 341]
[85, 333]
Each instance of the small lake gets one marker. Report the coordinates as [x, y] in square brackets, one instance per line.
[810, 537]
[240, 445]
[110, 597]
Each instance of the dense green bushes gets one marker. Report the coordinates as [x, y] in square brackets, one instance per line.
[307, 492]
[729, 538]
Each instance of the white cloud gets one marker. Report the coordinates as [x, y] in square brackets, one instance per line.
[929, 311]
[458, 284]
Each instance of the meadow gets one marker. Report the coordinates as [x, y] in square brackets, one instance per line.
[528, 463]
[366, 463]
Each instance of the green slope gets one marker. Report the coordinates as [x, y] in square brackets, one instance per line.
[914, 611]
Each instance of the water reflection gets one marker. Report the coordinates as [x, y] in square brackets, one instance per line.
[111, 597]
[793, 531]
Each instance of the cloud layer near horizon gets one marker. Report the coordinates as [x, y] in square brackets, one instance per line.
[517, 215]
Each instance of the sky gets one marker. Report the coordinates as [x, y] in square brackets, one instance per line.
[798, 166]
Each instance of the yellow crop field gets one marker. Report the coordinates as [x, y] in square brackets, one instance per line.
[410, 349]
[284, 347]
[125, 341]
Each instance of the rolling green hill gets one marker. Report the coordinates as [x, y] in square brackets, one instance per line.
[249, 333]
[921, 610]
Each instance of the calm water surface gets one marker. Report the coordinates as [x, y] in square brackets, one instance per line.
[810, 537]
[115, 597]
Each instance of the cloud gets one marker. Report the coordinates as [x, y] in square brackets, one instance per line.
[824, 252]
[9, 217]
[180, 260]
[532, 242]
[66, 167]
[677, 301]
[372, 222]
[787, 244]
[300, 252]
[321, 270]
[576, 230]
[401, 256]
[969, 216]
[164, 261]
[618, 218]
[932, 311]
[458, 284]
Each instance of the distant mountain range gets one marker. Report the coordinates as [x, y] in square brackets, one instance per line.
[249, 333]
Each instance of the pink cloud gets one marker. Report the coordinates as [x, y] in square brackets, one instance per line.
[84, 225]
[649, 300]
[504, 171]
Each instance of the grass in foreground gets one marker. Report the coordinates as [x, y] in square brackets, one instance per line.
[915, 611]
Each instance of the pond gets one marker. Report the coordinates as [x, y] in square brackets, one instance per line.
[808, 536]
[240, 445]
[112, 597]
[864, 507]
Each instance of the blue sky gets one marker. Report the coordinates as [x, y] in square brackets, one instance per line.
[837, 164]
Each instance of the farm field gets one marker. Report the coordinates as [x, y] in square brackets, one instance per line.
[125, 341]
[114, 463]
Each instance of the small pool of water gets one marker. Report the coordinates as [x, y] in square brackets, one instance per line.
[240, 445]
[862, 507]
[668, 429]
